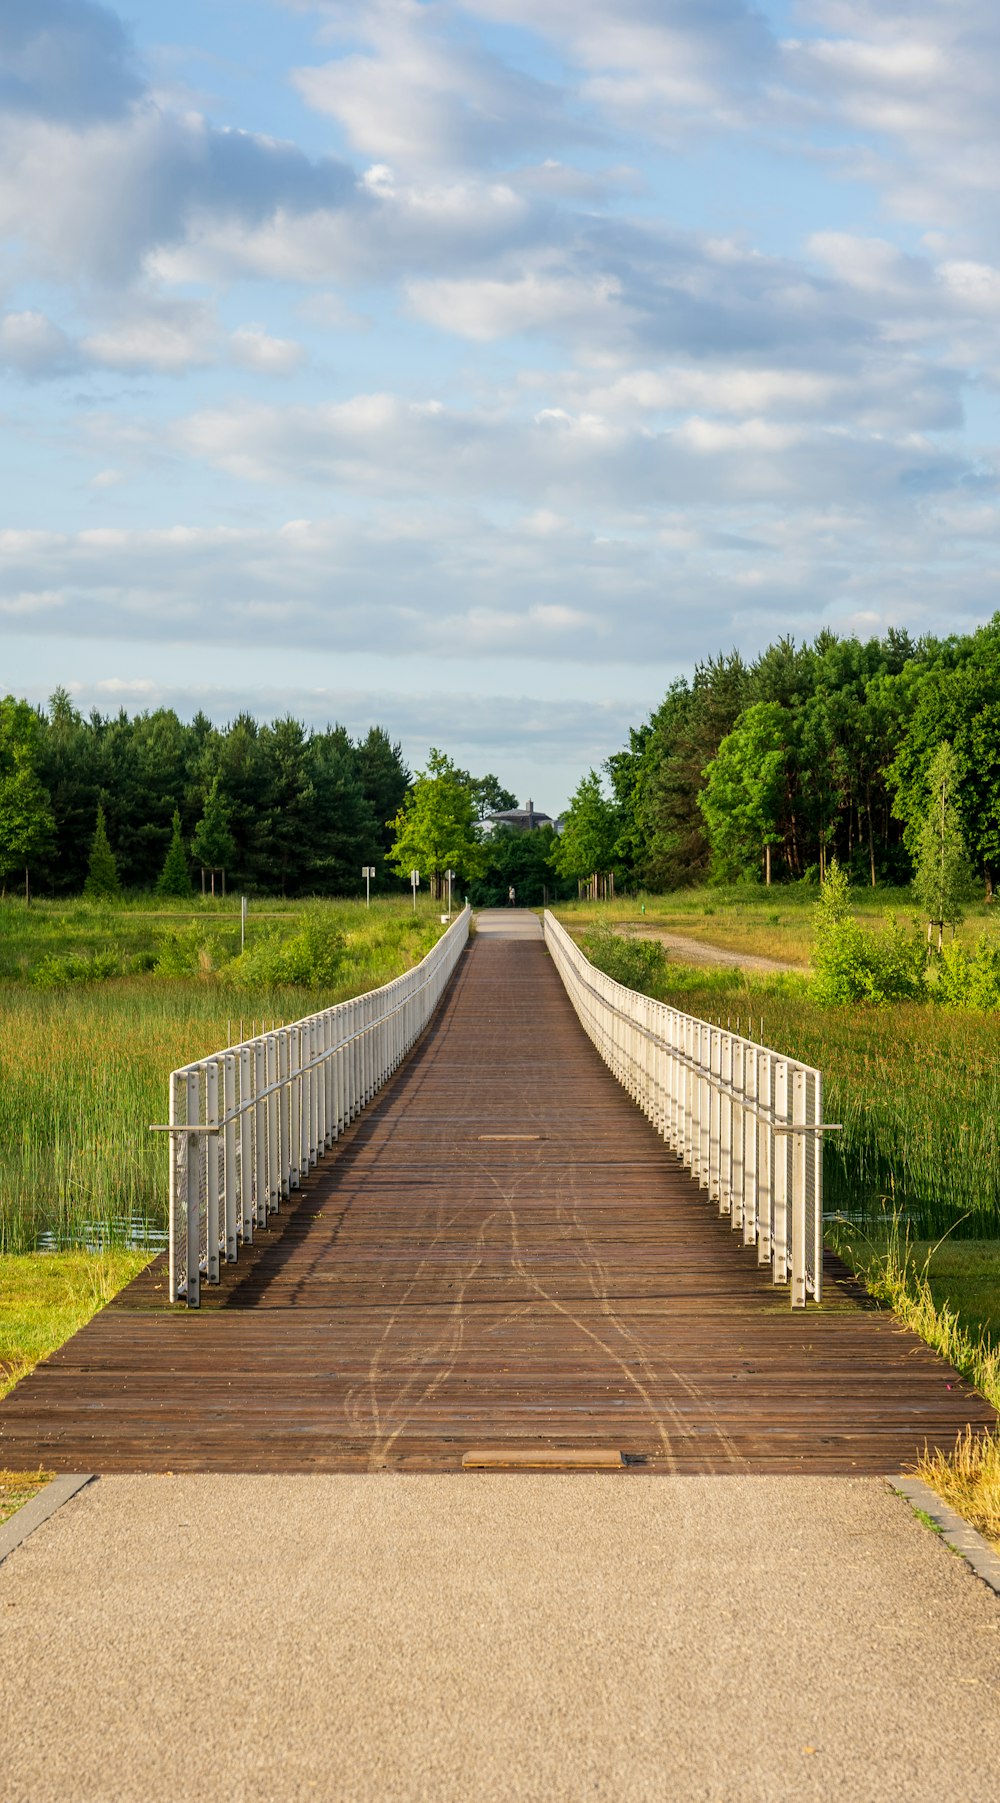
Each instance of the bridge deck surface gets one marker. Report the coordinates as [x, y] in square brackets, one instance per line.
[441, 1285]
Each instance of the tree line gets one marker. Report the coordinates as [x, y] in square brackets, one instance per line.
[287, 809]
[103, 803]
[769, 769]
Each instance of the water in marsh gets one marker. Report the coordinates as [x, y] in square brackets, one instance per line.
[119, 1231]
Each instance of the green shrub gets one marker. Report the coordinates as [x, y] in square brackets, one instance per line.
[193, 952]
[639, 964]
[970, 980]
[853, 964]
[313, 958]
[55, 972]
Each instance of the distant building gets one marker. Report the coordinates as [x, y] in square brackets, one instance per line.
[523, 820]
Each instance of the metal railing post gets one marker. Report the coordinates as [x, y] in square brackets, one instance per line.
[245, 1125]
[745, 1120]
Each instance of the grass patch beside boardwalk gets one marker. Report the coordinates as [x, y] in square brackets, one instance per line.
[46, 1296]
[17, 1487]
[949, 1294]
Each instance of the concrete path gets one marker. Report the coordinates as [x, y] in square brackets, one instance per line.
[508, 923]
[270, 1639]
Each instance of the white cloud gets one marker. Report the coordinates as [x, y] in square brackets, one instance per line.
[253, 346]
[418, 95]
[99, 200]
[31, 345]
[167, 339]
[483, 308]
[450, 586]
[379, 445]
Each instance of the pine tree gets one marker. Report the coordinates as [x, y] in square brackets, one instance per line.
[175, 878]
[943, 880]
[102, 872]
[212, 845]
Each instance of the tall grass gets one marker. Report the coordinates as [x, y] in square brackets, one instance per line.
[916, 1088]
[745, 917]
[83, 1070]
[900, 1278]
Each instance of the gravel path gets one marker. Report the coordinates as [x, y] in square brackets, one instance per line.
[695, 951]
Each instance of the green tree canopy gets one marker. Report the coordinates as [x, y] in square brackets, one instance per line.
[434, 830]
[488, 794]
[744, 792]
[26, 820]
[943, 880]
[591, 826]
[213, 845]
[175, 878]
[102, 869]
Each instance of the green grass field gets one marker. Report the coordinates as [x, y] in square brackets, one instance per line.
[84, 1064]
[748, 918]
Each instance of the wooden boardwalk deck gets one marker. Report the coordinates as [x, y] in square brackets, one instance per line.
[440, 1285]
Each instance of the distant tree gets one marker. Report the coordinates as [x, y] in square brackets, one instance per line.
[175, 878]
[586, 847]
[346, 834]
[213, 846]
[522, 862]
[288, 835]
[384, 779]
[434, 830]
[26, 820]
[102, 870]
[943, 881]
[488, 794]
[744, 792]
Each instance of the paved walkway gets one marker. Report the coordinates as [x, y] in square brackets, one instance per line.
[438, 1639]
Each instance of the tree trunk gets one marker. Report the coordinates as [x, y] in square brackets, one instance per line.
[767, 865]
[27, 892]
[871, 833]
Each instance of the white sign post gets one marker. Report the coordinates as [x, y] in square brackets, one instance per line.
[368, 871]
[414, 885]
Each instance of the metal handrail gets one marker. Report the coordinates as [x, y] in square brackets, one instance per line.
[247, 1123]
[745, 1120]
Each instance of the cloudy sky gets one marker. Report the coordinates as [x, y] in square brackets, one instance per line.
[477, 365]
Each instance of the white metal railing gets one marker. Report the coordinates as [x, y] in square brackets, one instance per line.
[747, 1121]
[247, 1123]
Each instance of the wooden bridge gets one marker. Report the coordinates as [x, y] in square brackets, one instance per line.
[499, 1253]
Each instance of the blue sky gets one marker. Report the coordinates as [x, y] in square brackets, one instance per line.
[475, 368]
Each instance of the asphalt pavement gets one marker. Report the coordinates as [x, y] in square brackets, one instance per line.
[483, 1636]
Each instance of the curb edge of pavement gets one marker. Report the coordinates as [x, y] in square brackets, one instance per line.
[957, 1533]
[33, 1514]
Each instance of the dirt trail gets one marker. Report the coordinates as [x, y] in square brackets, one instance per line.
[697, 952]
